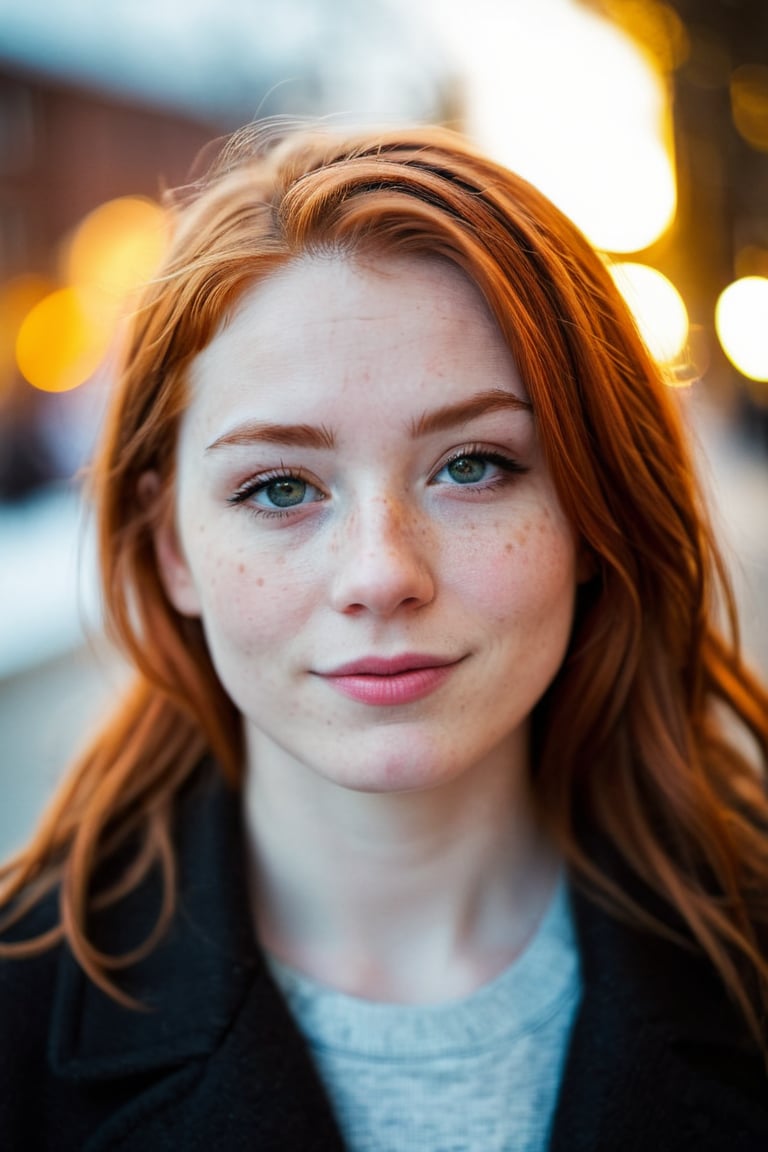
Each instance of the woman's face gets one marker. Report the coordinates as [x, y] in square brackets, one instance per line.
[366, 526]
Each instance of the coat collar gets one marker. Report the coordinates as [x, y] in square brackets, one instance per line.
[193, 983]
[225, 1064]
[658, 1057]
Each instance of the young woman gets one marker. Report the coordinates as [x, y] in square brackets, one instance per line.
[429, 821]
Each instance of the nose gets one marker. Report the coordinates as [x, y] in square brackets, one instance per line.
[383, 560]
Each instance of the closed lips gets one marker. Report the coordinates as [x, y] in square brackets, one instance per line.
[381, 666]
[389, 683]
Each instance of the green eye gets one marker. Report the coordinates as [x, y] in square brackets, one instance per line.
[467, 469]
[478, 467]
[276, 494]
[284, 493]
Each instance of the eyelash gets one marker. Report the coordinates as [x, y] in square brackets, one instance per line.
[508, 464]
[251, 487]
[256, 484]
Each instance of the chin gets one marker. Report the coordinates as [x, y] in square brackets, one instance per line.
[396, 783]
[395, 770]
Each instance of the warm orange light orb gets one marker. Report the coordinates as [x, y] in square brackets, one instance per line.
[566, 98]
[741, 321]
[749, 104]
[117, 247]
[17, 297]
[60, 342]
[657, 306]
[113, 252]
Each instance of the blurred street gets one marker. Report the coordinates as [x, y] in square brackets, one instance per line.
[45, 714]
[49, 706]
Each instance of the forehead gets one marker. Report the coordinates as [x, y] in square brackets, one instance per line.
[409, 330]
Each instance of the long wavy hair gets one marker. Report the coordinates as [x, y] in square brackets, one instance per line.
[636, 742]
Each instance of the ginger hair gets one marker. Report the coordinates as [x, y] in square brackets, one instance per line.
[635, 741]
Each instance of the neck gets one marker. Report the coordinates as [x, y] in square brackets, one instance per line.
[410, 897]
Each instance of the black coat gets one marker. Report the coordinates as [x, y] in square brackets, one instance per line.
[658, 1061]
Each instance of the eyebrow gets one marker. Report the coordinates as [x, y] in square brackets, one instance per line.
[293, 435]
[494, 400]
[309, 436]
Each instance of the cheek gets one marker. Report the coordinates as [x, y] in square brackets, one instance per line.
[250, 597]
[523, 573]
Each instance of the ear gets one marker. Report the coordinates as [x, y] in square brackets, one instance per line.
[173, 568]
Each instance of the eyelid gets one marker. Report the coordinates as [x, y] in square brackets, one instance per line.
[494, 455]
[256, 483]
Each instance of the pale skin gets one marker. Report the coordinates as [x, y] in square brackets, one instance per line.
[360, 479]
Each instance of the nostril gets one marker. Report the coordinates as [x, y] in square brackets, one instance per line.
[382, 581]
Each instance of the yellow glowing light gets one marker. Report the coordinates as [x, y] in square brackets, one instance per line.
[654, 25]
[117, 247]
[657, 306]
[61, 341]
[749, 104]
[16, 299]
[741, 320]
[113, 251]
[566, 98]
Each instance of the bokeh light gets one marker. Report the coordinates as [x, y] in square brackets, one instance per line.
[585, 115]
[116, 247]
[654, 25]
[62, 340]
[113, 251]
[657, 306]
[741, 321]
[17, 297]
[749, 104]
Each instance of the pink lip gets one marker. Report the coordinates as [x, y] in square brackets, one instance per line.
[400, 680]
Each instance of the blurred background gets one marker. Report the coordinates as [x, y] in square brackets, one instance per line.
[646, 121]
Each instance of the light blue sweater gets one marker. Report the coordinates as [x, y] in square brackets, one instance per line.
[480, 1074]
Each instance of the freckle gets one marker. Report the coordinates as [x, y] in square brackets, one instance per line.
[522, 535]
[508, 547]
[260, 582]
[241, 568]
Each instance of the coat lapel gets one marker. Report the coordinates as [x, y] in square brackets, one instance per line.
[215, 1061]
[256, 1090]
[191, 985]
[659, 1058]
